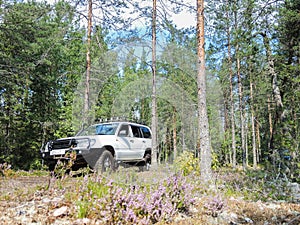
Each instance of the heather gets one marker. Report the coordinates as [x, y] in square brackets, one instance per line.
[164, 195]
[120, 203]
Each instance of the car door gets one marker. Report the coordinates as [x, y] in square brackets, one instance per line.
[137, 141]
[125, 148]
[147, 137]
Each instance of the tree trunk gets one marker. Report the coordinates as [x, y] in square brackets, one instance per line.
[275, 87]
[203, 127]
[279, 115]
[270, 122]
[241, 110]
[174, 134]
[232, 118]
[246, 141]
[258, 142]
[228, 154]
[154, 103]
[240, 92]
[88, 65]
[254, 151]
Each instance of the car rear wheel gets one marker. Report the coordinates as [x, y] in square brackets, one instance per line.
[146, 164]
[105, 163]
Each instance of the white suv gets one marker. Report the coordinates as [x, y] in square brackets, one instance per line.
[104, 146]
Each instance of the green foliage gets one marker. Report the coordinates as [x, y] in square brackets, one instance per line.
[37, 165]
[215, 164]
[62, 168]
[96, 189]
[43, 62]
[187, 163]
[254, 185]
[5, 169]
[296, 170]
[35, 56]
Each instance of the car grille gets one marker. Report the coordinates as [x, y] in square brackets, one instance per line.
[63, 144]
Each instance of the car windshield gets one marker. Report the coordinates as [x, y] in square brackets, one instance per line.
[100, 129]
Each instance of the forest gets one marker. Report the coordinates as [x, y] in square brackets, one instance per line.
[252, 52]
[219, 88]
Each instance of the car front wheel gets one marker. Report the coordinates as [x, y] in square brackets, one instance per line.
[105, 163]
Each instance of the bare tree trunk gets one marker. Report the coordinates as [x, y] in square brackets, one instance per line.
[246, 141]
[233, 144]
[174, 134]
[253, 134]
[167, 145]
[183, 128]
[254, 151]
[270, 122]
[241, 109]
[258, 142]
[240, 91]
[154, 103]
[203, 126]
[88, 64]
[275, 88]
[228, 155]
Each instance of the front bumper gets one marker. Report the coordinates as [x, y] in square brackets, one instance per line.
[67, 149]
[89, 157]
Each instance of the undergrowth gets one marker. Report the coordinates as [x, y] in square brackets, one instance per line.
[253, 185]
[116, 203]
[131, 197]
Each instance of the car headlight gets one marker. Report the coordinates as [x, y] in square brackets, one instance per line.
[46, 149]
[85, 143]
[92, 142]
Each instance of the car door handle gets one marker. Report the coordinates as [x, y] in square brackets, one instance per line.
[144, 141]
[131, 141]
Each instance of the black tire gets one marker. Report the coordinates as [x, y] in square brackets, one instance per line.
[145, 167]
[105, 163]
[146, 164]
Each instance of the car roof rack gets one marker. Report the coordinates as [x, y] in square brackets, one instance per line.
[111, 119]
[118, 119]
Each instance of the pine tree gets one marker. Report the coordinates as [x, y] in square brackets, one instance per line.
[203, 127]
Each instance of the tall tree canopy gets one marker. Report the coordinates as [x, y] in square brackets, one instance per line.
[252, 71]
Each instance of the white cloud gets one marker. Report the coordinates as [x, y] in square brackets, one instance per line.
[184, 19]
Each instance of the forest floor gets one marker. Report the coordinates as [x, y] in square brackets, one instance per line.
[42, 199]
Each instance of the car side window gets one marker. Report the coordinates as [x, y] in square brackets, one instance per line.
[146, 132]
[136, 131]
[124, 130]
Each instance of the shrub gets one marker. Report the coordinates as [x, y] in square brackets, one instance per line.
[5, 170]
[187, 163]
[114, 203]
[214, 206]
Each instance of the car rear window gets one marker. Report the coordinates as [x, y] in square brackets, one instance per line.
[136, 131]
[146, 132]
